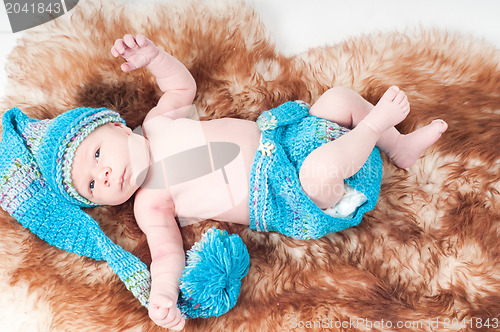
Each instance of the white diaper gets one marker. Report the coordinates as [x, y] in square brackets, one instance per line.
[348, 204]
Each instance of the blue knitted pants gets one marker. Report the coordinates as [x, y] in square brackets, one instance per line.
[277, 200]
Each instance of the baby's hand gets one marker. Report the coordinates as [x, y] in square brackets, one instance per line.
[164, 312]
[138, 51]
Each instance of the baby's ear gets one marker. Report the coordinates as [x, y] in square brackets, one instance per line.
[123, 126]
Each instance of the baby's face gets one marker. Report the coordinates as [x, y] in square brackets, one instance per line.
[102, 169]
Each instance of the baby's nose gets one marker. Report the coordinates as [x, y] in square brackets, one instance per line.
[104, 175]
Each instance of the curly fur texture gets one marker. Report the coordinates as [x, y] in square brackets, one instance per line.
[429, 250]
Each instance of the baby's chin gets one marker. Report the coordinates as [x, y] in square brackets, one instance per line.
[115, 200]
[139, 159]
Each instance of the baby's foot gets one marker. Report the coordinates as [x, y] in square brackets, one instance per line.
[391, 109]
[410, 147]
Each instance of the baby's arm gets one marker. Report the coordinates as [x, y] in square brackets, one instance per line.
[173, 78]
[155, 217]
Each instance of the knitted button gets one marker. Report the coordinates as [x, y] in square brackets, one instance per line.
[266, 148]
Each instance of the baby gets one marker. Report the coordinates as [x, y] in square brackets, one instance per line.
[183, 168]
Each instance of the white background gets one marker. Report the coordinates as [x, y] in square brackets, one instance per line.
[297, 25]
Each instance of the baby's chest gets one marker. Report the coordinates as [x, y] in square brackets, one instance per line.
[168, 137]
[205, 177]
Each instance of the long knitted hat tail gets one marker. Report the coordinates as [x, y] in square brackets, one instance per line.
[27, 195]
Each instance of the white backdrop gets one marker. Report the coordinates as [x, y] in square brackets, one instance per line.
[297, 25]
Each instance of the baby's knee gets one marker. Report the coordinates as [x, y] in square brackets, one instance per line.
[322, 185]
[340, 95]
[337, 98]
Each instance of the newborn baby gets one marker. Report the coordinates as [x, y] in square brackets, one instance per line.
[259, 174]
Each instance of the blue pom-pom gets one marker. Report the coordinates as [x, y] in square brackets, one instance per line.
[211, 282]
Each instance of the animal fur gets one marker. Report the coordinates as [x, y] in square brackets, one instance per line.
[429, 250]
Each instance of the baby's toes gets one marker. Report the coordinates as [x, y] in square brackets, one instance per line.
[405, 105]
[406, 109]
[390, 94]
[441, 125]
[399, 97]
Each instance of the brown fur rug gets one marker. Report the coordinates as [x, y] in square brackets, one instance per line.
[428, 253]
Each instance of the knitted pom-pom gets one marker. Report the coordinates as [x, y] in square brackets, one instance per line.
[211, 281]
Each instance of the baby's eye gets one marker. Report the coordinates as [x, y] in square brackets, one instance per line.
[91, 185]
[97, 154]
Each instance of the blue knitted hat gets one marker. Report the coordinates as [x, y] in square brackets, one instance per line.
[53, 143]
[36, 189]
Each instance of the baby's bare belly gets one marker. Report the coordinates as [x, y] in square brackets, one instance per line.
[208, 177]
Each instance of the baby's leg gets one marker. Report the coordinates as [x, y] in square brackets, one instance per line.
[348, 108]
[342, 106]
[323, 172]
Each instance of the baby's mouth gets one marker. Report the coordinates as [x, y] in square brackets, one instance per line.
[122, 179]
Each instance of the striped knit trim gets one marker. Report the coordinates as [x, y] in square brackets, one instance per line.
[34, 132]
[19, 183]
[139, 284]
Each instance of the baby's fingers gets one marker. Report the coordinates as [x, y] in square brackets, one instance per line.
[143, 41]
[121, 45]
[167, 317]
[180, 324]
[118, 48]
[114, 52]
[157, 313]
[129, 40]
[127, 67]
[174, 319]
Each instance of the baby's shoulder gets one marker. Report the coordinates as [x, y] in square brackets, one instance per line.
[150, 199]
[162, 125]
[152, 209]
[156, 124]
